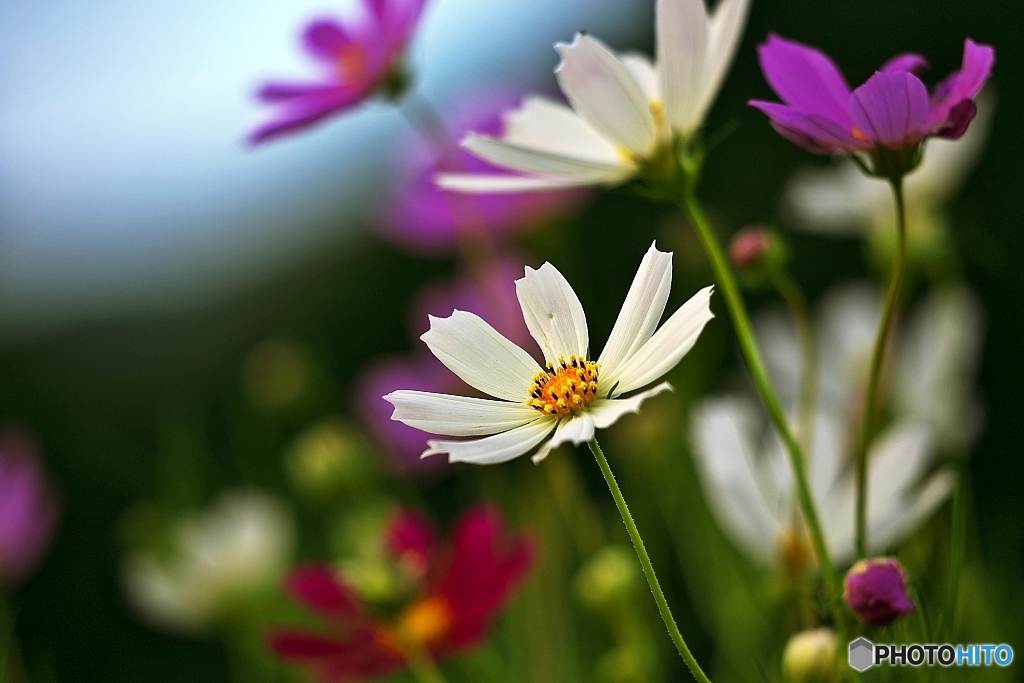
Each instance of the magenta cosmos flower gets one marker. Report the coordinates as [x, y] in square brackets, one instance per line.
[28, 507]
[360, 58]
[463, 586]
[426, 218]
[494, 300]
[891, 110]
[876, 591]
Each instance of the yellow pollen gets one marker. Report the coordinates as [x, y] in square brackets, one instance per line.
[859, 135]
[566, 387]
[658, 112]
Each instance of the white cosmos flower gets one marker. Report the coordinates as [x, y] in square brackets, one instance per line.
[624, 109]
[241, 544]
[841, 200]
[574, 395]
[743, 467]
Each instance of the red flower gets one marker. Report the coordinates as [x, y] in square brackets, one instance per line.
[463, 587]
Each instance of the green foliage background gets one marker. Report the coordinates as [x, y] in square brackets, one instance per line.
[153, 410]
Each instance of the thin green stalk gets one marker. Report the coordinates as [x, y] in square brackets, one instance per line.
[875, 369]
[421, 664]
[748, 346]
[645, 562]
[11, 668]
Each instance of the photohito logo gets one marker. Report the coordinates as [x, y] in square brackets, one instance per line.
[864, 654]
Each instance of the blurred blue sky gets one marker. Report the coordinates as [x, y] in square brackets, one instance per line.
[125, 188]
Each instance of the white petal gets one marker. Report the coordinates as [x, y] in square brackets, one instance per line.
[458, 415]
[780, 347]
[937, 365]
[897, 460]
[553, 127]
[666, 348]
[607, 411]
[642, 71]
[837, 200]
[577, 429]
[723, 436]
[473, 183]
[947, 163]
[553, 313]
[529, 160]
[682, 44]
[602, 91]
[480, 356]
[497, 448]
[725, 27]
[641, 311]
[917, 507]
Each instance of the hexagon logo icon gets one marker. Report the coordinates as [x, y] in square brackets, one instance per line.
[862, 654]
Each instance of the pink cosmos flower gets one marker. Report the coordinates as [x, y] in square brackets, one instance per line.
[360, 58]
[426, 218]
[28, 507]
[493, 299]
[463, 586]
[892, 109]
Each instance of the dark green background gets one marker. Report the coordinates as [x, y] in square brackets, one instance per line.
[104, 398]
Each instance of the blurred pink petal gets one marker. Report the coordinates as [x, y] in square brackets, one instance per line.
[359, 58]
[426, 218]
[28, 507]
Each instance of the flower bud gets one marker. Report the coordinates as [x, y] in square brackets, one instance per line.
[329, 456]
[876, 591]
[749, 246]
[609, 575]
[810, 657]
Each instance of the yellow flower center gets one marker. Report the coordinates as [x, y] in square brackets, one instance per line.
[565, 387]
[426, 623]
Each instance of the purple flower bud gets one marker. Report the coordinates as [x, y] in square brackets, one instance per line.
[28, 507]
[749, 246]
[876, 591]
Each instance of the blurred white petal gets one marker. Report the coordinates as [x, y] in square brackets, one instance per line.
[604, 93]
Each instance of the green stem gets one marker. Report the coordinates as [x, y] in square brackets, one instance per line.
[11, 668]
[421, 664]
[748, 346]
[645, 562]
[875, 369]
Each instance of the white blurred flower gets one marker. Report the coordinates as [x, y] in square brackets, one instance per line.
[241, 544]
[743, 466]
[573, 396]
[842, 201]
[624, 108]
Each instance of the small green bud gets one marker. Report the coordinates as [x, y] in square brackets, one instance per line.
[611, 574]
[329, 456]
